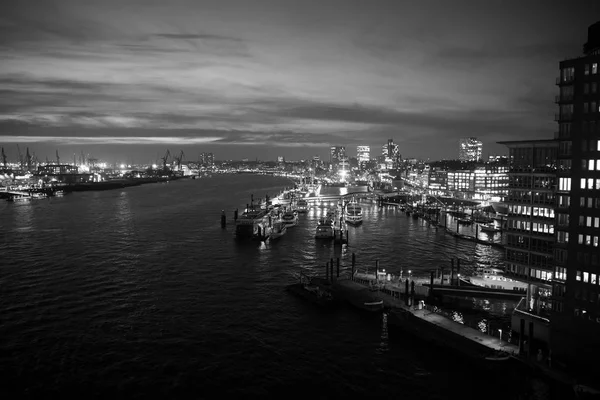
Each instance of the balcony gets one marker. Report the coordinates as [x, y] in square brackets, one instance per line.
[563, 117]
[565, 80]
[563, 98]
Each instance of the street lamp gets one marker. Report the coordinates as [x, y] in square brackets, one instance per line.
[500, 330]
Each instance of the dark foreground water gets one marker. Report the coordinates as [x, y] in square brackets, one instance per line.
[139, 293]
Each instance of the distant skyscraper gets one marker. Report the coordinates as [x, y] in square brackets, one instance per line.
[469, 149]
[391, 152]
[337, 153]
[363, 154]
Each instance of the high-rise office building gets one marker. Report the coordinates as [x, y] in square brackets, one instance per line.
[391, 152]
[336, 154]
[363, 153]
[469, 149]
[530, 228]
[576, 293]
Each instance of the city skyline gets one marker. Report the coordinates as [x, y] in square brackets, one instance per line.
[279, 79]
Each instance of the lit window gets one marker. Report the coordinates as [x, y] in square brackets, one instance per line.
[582, 183]
[594, 68]
[578, 275]
[596, 222]
[598, 146]
[586, 277]
[588, 240]
[589, 221]
[595, 241]
[587, 69]
[593, 279]
[590, 165]
[597, 165]
[590, 183]
[580, 239]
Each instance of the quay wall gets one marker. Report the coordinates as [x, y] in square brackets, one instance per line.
[406, 322]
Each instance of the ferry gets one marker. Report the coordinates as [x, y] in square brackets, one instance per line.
[325, 230]
[290, 218]
[354, 213]
[302, 206]
[494, 278]
[254, 224]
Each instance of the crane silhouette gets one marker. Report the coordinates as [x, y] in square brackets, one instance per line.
[165, 159]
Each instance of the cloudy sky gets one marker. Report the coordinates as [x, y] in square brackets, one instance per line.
[128, 79]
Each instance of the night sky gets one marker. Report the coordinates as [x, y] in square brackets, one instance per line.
[128, 79]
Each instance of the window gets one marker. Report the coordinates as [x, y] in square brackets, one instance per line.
[588, 221]
[591, 165]
[586, 88]
[580, 239]
[561, 273]
[590, 183]
[582, 183]
[564, 184]
[593, 279]
[586, 69]
[593, 107]
[586, 107]
[578, 276]
[594, 68]
[586, 277]
[596, 222]
[594, 87]
[597, 165]
[598, 146]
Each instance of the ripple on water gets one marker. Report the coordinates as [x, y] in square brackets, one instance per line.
[139, 291]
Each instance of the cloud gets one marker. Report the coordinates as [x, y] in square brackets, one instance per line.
[198, 36]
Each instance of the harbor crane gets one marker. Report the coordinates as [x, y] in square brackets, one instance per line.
[179, 159]
[165, 159]
[20, 157]
[28, 159]
[3, 158]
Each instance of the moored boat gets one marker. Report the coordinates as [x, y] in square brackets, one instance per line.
[302, 206]
[494, 278]
[312, 289]
[290, 218]
[354, 213]
[279, 229]
[490, 227]
[253, 224]
[324, 230]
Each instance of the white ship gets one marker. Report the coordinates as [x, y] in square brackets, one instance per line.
[494, 278]
[353, 213]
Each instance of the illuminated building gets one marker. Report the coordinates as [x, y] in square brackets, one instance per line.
[363, 155]
[207, 159]
[470, 149]
[576, 292]
[391, 153]
[336, 154]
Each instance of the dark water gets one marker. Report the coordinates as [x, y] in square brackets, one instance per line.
[139, 293]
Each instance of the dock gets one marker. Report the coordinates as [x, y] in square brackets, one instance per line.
[409, 315]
